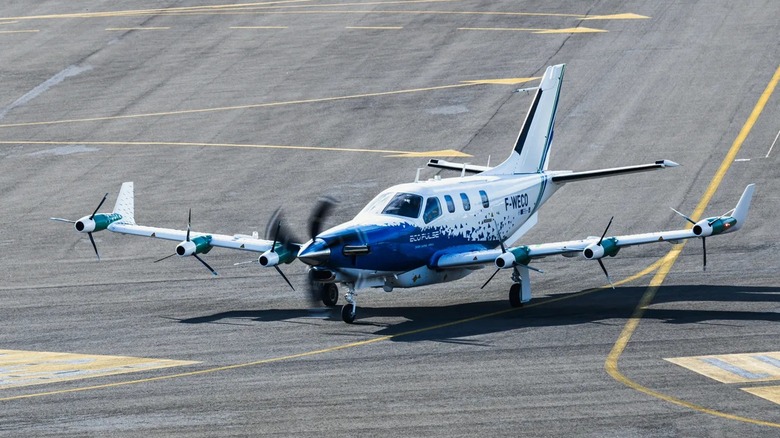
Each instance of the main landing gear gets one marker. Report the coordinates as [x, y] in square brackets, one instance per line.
[514, 296]
[349, 309]
[520, 292]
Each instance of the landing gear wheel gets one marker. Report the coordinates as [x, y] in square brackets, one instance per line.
[330, 294]
[514, 296]
[348, 313]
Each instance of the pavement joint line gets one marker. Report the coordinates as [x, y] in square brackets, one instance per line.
[238, 107]
[611, 363]
[652, 267]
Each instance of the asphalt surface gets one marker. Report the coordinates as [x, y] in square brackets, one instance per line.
[193, 101]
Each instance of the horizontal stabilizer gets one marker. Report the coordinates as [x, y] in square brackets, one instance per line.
[460, 167]
[603, 173]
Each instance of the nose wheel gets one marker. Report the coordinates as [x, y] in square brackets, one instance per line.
[348, 310]
[348, 313]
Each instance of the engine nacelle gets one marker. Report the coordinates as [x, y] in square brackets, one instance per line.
[98, 222]
[515, 256]
[277, 256]
[608, 247]
[708, 227]
[505, 260]
[198, 245]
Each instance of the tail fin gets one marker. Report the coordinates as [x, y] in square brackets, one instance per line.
[531, 151]
[741, 211]
[125, 205]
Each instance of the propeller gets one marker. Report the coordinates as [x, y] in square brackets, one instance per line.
[514, 266]
[281, 234]
[194, 254]
[91, 217]
[321, 212]
[273, 249]
[503, 251]
[604, 268]
[703, 239]
[91, 239]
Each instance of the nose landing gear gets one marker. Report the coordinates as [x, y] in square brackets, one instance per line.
[348, 310]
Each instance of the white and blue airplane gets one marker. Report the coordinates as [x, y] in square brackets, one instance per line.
[433, 231]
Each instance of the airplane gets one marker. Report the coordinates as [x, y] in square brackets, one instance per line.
[433, 231]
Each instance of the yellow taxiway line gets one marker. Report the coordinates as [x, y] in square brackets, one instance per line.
[451, 153]
[611, 364]
[273, 104]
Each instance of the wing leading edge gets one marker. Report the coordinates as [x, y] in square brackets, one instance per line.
[125, 208]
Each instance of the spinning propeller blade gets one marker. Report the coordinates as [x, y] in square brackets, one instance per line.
[703, 239]
[604, 268]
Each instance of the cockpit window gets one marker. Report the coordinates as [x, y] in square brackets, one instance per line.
[432, 209]
[404, 204]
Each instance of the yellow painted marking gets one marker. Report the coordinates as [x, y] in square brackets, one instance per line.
[389, 153]
[507, 81]
[375, 27]
[135, 12]
[137, 28]
[258, 27]
[572, 30]
[771, 393]
[264, 8]
[536, 30]
[23, 368]
[19, 31]
[734, 368]
[8, 22]
[611, 364]
[250, 106]
[628, 16]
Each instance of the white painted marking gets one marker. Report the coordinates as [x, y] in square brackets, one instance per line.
[63, 150]
[773, 145]
[741, 160]
[73, 70]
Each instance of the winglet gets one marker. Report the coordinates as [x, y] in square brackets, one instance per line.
[125, 205]
[741, 211]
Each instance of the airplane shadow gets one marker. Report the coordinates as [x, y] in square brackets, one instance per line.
[574, 308]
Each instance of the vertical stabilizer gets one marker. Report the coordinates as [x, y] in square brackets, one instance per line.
[125, 205]
[531, 151]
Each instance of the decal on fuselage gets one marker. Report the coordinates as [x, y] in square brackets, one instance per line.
[517, 202]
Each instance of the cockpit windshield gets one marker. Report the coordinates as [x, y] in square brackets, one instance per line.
[404, 204]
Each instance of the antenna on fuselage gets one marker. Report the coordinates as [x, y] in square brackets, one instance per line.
[417, 177]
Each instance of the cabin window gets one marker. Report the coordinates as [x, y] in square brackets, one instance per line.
[450, 203]
[432, 209]
[485, 200]
[466, 202]
[404, 204]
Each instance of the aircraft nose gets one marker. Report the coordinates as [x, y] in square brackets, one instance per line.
[315, 254]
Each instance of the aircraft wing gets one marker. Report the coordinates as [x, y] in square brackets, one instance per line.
[595, 248]
[238, 241]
